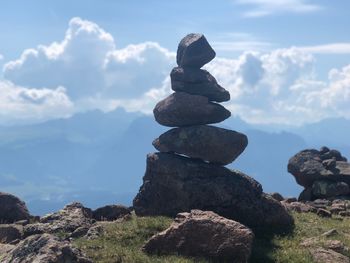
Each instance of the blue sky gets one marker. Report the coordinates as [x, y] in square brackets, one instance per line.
[283, 61]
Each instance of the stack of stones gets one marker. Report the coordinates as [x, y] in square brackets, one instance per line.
[191, 108]
[323, 174]
[188, 171]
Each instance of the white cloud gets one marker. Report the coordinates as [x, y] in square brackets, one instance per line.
[21, 105]
[271, 7]
[94, 73]
[281, 87]
[86, 71]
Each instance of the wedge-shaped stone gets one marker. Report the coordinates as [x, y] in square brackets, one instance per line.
[194, 51]
[209, 143]
[182, 109]
[198, 82]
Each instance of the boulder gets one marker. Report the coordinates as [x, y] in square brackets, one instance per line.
[311, 165]
[43, 248]
[67, 220]
[10, 233]
[194, 51]
[174, 184]
[209, 143]
[325, 188]
[321, 255]
[110, 212]
[182, 109]
[198, 82]
[204, 234]
[299, 207]
[12, 209]
[323, 213]
[306, 195]
[277, 196]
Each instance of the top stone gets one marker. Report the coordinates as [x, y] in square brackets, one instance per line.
[194, 51]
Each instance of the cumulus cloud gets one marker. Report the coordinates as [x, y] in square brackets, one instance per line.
[87, 63]
[281, 87]
[86, 71]
[20, 104]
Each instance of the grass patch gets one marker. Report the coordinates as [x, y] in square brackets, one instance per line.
[122, 242]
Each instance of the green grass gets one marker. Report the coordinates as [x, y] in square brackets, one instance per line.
[122, 242]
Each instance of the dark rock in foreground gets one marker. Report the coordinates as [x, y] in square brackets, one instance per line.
[194, 51]
[43, 248]
[198, 82]
[204, 234]
[182, 109]
[12, 209]
[174, 184]
[110, 212]
[209, 143]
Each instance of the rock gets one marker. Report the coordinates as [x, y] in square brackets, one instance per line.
[290, 199]
[277, 196]
[321, 255]
[209, 143]
[309, 166]
[22, 222]
[12, 209]
[321, 203]
[9, 233]
[204, 234]
[330, 163]
[69, 218]
[323, 213]
[325, 188]
[306, 195]
[110, 212]
[299, 207]
[330, 233]
[306, 167]
[194, 51]
[44, 248]
[174, 184]
[79, 232]
[198, 82]
[324, 149]
[94, 232]
[344, 213]
[182, 109]
[336, 246]
[333, 154]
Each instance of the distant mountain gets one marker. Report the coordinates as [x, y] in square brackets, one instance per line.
[99, 158]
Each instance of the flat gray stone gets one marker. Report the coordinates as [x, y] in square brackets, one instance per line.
[182, 109]
[209, 143]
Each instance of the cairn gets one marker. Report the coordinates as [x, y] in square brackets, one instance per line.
[188, 171]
